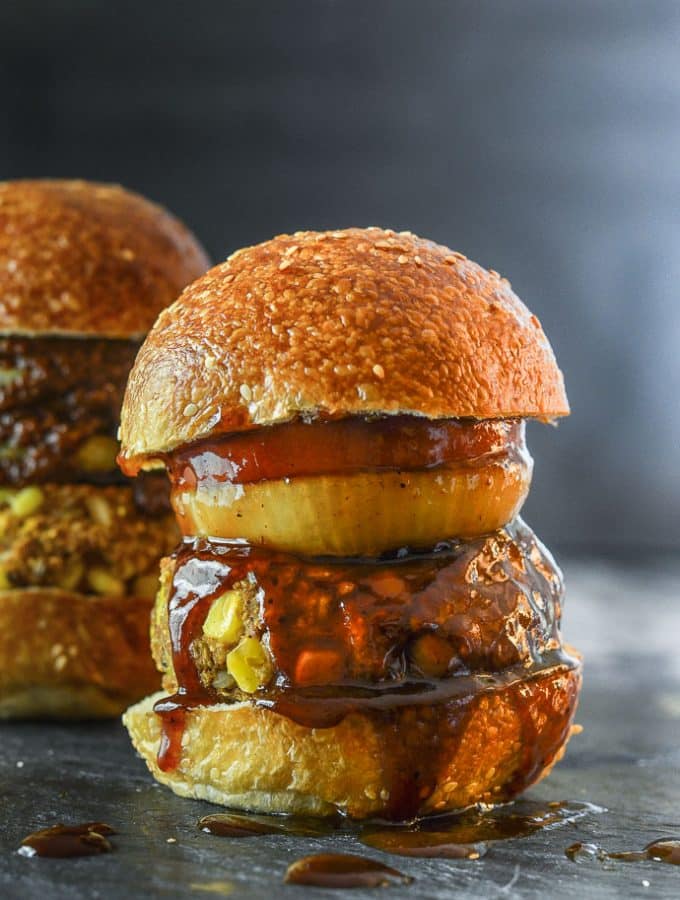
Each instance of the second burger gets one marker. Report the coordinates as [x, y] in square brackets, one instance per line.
[84, 270]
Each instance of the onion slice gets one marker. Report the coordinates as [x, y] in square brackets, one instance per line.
[359, 514]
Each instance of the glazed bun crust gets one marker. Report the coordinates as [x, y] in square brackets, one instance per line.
[251, 758]
[80, 258]
[72, 655]
[355, 322]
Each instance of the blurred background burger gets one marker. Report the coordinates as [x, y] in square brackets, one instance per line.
[84, 270]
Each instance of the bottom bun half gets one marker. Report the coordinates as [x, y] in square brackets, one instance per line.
[69, 655]
[251, 758]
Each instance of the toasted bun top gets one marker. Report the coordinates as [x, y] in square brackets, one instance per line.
[88, 259]
[362, 321]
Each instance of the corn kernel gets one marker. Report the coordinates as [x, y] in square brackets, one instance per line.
[224, 622]
[103, 582]
[71, 577]
[7, 376]
[27, 501]
[223, 681]
[6, 494]
[249, 665]
[145, 586]
[98, 453]
[99, 510]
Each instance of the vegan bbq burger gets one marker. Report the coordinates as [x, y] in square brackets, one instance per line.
[84, 270]
[356, 618]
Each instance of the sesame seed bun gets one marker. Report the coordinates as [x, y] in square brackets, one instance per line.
[70, 655]
[79, 258]
[355, 322]
[252, 758]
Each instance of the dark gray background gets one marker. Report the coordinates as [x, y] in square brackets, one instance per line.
[540, 138]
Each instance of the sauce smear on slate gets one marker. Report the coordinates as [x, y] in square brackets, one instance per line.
[241, 825]
[665, 850]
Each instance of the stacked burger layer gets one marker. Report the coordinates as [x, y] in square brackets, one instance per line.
[356, 618]
[84, 270]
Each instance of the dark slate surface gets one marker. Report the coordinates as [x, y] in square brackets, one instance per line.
[627, 622]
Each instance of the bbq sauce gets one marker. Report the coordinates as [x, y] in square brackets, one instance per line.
[665, 850]
[466, 835]
[55, 394]
[240, 825]
[342, 870]
[508, 586]
[352, 444]
[427, 844]
[485, 604]
[62, 841]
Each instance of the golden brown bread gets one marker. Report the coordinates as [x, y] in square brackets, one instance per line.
[251, 758]
[336, 324]
[72, 655]
[82, 258]
[63, 650]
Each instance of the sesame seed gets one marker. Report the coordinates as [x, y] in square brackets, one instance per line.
[285, 264]
[171, 840]
[402, 259]
[246, 393]
[378, 371]
[418, 260]
[190, 409]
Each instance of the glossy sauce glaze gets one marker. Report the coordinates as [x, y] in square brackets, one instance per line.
[347, 445]
[411, 710]
[62, 841]
[342, 870]
[55, 393]
[470, 607]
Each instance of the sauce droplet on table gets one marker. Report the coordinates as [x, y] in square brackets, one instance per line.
[342, 870]
[63, 841]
